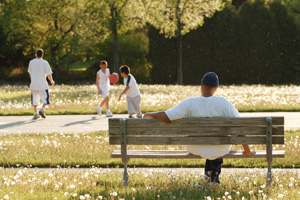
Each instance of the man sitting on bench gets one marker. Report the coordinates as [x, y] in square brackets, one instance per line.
[206, 105]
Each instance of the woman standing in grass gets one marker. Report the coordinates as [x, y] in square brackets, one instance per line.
[103, 85]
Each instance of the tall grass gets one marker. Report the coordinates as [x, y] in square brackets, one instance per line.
[99, 183]
[67, 99]
[92, 149]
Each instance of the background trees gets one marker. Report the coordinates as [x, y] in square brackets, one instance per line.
[175, 18]
[261, 49]
[246, 42]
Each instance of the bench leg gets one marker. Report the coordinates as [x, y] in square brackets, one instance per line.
[269, 175]
[125, 176]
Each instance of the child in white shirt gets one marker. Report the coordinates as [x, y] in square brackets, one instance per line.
[103, 85]
[133, 96]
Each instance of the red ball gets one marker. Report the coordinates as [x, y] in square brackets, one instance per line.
[114, 78]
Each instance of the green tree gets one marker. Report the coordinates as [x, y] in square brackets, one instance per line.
[65, 29]
[177, 17]
[119, 16]
[294, 9]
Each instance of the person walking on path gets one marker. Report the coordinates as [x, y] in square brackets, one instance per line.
[103, 86]
[206, 105]
[39, 70]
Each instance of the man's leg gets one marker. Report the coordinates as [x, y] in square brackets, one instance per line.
[35, 98]
[46, 101]
[213, 169]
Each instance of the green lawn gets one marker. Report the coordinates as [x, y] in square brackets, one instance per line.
[92, 149]
[81, 99]
[98, 183]
[20, 154]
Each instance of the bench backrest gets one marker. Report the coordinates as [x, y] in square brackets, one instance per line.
[196, 131]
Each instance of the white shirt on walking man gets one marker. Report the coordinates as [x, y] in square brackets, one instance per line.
[39, 69]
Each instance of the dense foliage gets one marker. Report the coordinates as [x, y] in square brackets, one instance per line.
[254, 44]
[248, 42]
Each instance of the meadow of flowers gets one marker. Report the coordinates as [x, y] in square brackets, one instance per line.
[93, 149]
[79, 162]
[101, 183]
[66, 99]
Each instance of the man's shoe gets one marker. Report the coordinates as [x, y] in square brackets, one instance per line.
[36, 116]
[139, 116]
[109, 114]
[42, 113]
[98, 110]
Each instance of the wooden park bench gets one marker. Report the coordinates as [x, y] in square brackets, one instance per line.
[196, 131]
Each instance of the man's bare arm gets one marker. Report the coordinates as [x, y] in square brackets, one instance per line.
[158, 115]
[247, 151]
[51, 80]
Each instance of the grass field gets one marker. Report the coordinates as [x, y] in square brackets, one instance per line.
[81, 99]
[66, 152]
[20, 154]
[98, 183]
[92, 149]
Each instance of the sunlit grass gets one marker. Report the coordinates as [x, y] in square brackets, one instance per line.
[67, 99]
[99, 183]
[92, 149]
[67, 153]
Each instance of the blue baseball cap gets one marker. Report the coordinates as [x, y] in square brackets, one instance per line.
[210, 79]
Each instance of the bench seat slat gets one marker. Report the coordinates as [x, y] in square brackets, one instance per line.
[218, 140]
[227, 130]
[190, 122]
[183, 154]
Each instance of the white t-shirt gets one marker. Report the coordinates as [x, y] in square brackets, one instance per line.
[104, 83]
[133, 89]
[212, 106]
[39, 69]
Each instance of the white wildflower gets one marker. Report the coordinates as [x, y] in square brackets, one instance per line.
[72, 187]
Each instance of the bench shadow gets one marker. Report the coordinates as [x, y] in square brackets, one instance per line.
[80, 122]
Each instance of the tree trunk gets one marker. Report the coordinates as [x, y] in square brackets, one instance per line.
[56, 73]
[113, 12]
[116, 50]
[179, 46]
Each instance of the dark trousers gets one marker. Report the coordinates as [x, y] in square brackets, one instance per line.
[213, 169]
